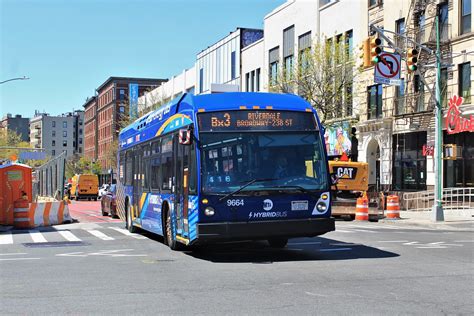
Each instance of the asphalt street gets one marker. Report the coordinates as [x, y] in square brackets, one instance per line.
[362, 268]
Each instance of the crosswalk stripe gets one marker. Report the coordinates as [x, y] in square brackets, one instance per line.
[68, 235]
[37, 236]
[100, 235]
[343, 231]
[6, 238]
[127, 233]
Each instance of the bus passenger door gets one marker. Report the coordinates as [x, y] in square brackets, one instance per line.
[181, 189]
[137, 180]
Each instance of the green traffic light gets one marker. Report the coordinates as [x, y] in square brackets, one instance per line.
[375, 59]
[413, 68]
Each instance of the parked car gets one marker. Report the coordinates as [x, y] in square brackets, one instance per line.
[103, 189]
[108, 202]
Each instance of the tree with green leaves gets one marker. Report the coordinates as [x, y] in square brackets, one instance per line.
[323, 75]
[9, 138]
[81, 165]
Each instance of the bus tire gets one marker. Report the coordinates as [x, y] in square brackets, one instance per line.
[278, 242]
[129, 223]
[169, 240]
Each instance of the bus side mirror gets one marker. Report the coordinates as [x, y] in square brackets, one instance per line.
[185, 137]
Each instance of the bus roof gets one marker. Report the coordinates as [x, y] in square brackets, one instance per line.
[182, 111]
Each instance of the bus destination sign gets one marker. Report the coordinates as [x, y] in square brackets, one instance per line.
[256, 120]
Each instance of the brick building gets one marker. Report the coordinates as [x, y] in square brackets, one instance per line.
[90, 128]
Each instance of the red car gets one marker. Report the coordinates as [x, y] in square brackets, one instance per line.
[108, 202]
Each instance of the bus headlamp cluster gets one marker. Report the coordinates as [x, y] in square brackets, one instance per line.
[321, 207]
[209, 211]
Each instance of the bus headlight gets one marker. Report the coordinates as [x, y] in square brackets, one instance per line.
[321, 207]
[209, 211]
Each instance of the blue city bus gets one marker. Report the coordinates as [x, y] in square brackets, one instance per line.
[224, 167]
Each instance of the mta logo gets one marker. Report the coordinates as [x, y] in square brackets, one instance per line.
[267, 204]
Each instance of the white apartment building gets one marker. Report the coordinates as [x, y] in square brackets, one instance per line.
[56, 134]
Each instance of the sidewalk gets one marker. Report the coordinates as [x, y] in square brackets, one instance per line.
[453, 219]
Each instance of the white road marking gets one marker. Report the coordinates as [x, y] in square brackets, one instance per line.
[343, 231]
[392, 241]
[100, 235]
[13, 254]
[464, 241]
[108, 253]
[411, 243]
[432, 247]
[127, 233]
[68, 235]
[37, 236]
[334, 249]
[6, 238]
[16, 259]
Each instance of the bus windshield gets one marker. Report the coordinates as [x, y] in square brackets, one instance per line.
[279, 161]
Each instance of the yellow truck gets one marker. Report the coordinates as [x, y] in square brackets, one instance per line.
[353, 180]
[85, 186]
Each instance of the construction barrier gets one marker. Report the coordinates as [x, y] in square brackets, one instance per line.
[42, 214]
[393, 207]
[362, 209]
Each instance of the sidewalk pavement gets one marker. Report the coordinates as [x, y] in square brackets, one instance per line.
[453, 219]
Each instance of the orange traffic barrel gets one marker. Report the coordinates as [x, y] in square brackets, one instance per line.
[22, 215]
[393, 206]
[362, 209]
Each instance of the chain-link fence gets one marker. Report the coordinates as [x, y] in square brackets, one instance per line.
[48, 179]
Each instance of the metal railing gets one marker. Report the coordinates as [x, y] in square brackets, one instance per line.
[453, 199]
[49, 178]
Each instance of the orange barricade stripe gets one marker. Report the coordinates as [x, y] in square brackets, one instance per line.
[32, 213]
[60, 212]
[47, 209]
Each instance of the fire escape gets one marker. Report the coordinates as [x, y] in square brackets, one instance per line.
[414, 109]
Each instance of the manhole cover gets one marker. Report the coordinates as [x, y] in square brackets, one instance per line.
[55, 244]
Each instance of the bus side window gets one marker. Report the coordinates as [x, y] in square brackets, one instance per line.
[167, 162]
[146, 167]
[155, 165]
[129, 168]
[121, 171]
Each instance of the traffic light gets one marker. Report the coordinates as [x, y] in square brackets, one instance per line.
[375, 49]
[412, 59]
[364, 53]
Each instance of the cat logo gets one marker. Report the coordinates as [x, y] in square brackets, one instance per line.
[345, 172]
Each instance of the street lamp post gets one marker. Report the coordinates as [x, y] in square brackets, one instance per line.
[19, 78]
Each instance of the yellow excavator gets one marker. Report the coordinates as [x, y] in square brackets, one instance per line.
[352, 182]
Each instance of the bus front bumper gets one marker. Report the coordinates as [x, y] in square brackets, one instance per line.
[226, 231]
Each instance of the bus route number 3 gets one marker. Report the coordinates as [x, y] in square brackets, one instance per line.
[235, 202]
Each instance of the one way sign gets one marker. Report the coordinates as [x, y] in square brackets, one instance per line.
[387, 70]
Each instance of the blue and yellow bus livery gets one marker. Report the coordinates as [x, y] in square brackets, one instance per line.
[219, 167]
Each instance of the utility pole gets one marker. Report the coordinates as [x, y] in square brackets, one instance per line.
[438, 214]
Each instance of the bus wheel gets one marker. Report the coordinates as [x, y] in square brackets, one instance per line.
[130, 226]
[170, 241]
[278, 242]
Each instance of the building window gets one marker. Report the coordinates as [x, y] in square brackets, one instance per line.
[465, 82]
[252, 81]
[349, 43]
[122, 94]
[53, 143]
[201, 80]
[348, 99]
[53, 152]
[460, 172]
[288, 50]
[80, 131]
[257, 80]
[274, 56]
[64, 143]
[247, 82]
[443, 12]
[400, 29]
[64, 133]
[466, 16]
[232, 65]
[374, 102]
[373, 3]
[53, 123]
[409, 164]
[53, 133]
[64, 124]
[399, 100]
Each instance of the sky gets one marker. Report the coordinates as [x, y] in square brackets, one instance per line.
[68, 48]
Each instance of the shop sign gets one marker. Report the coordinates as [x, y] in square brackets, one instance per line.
[428, 150]
[455, 123]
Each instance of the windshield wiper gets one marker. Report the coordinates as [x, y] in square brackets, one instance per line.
[299, 188]
[244, 186]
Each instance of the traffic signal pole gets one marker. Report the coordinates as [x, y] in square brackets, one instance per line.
[438, 214]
